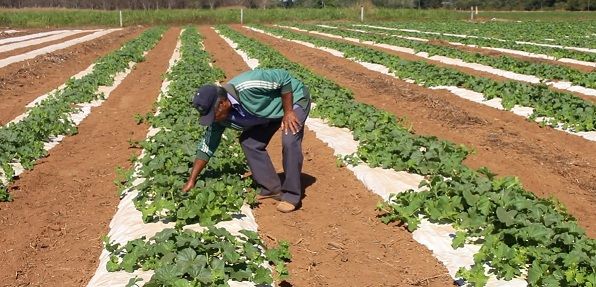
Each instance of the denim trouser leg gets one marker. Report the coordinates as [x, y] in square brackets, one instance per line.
[254, 142]
[292, 160]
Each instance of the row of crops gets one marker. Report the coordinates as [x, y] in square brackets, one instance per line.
[556, 52]
[520, 235]
[576, 34]
[556, 108]
[192, 251]
[23, 142]
[504, 62]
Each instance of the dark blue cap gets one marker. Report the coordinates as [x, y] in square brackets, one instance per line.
[205, 101]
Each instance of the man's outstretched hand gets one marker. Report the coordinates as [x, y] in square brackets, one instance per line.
[188, 186]
[197, 167]
[290, 123]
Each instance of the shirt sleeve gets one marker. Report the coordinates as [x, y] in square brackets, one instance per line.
[210, 141]
[285, 80]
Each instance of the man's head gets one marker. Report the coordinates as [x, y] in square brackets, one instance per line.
[212, 104]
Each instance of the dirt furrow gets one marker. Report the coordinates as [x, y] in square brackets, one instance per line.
[29, 48]
[494, 53]
[22, 82]
[461, 69]
[548, 162]
[20, 33]
[336, 239]
[51, 233]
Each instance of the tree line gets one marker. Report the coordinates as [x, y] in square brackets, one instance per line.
[196, 4]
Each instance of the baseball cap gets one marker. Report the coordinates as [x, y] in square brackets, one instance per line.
[205, 101]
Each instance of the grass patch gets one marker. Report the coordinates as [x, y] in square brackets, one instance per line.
[53, 18]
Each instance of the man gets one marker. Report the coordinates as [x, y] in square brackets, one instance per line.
[258, 103]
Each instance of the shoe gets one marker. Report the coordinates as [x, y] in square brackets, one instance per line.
[274, 196]
[285, 207]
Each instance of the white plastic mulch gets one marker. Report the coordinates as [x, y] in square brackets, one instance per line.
[77, 117]
[127, 223]
[36, 41]
[436, 237]
[563, 85]
[52, 48]
[460, 92]
[9, 31]
[28, 37]
[580, 49]
[37, 100]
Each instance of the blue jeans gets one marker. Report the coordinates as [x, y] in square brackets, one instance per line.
[254, 142]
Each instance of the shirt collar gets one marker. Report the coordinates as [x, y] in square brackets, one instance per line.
[236, 105]
[232, 100]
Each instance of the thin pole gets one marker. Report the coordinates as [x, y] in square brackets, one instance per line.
[120, 18]
[241, 16]
[361, 13]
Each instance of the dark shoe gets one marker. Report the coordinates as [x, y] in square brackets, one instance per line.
[285, 207]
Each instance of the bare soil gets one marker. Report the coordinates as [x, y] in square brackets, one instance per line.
[29, 48]
[24, 81]
[494, 53]
[461, 69]
[549, 163]
[336, 239]
[51, 232]
[19, 33]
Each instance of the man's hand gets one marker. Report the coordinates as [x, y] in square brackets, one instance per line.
[197, 167]
[290, 123]
[188, 186]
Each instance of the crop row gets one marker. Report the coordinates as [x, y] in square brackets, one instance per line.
[545, 71]
[53, 47]
[23, 142]
[495, 43]
[182, 256]
[575, 113]
[517, 231]
[576, 33]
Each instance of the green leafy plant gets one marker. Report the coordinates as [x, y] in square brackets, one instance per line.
[23, 142]
[573, 112]
[504, 62]
[4, 195]
[170, 153]
[208, 258]
[511, 44]
[516, 230]
[183, 257]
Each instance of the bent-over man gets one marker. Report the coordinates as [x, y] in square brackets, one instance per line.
[258, 103]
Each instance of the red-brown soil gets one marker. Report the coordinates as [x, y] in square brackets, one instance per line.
[336, 239]
[24, 81]
[548, 162]
[51, 232]
[29, 48]
[461, 69]
[524, 58]
[19, 33]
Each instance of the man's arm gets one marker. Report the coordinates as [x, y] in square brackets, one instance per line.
[197, 167]
[206, 149]
[289, 122]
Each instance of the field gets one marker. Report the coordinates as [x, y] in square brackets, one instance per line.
[438, 153]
